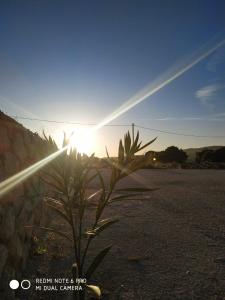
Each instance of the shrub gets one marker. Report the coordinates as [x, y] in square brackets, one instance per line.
[204, 155]
[71, 174]
[173, 154]
[208, 155]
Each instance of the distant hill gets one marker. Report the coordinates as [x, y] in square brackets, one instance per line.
[191, 152]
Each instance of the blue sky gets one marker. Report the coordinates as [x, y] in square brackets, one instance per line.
[80, 60]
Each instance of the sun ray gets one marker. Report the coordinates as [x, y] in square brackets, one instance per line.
[142, 95]
[170, 75]
[16, 179]
[83, 140]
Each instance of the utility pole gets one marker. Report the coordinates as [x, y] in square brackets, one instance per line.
[132, 132]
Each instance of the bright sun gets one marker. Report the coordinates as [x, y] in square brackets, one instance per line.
[83, 140]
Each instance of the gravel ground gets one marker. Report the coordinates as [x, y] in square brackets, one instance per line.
[169, 245]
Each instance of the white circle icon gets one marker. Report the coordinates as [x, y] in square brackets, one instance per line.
[14, 284]
[25, 284]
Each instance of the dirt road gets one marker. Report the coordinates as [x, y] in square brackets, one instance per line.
[169, 246]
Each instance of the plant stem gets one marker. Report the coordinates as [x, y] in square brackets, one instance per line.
[73, 231]
[93, 227]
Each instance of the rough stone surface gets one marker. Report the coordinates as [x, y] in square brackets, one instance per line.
[11, 163]
[15, 248]
[3, 257]
[19, 148]
[5, 292]
[22, 206]
[5, 142]
[7, 223]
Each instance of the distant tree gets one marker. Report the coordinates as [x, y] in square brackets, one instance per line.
[204, 155]
[211, 155]
[173, 154]
[219, 155]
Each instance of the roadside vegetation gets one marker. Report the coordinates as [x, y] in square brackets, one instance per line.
[71, 175]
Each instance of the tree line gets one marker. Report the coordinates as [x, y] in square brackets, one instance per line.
[217, 155]
[174, 154]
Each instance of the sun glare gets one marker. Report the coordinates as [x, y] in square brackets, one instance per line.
[83, 140]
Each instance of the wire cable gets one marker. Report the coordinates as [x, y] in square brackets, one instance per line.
[182, 134]
[64, 122]
[119, 125]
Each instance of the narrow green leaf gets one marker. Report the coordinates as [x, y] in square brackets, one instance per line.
[121, 153]
[137, 190]
[100, 208]
[58, 211]
[52, 184]
[123, 197]
[102, 225]
[96, 262]
[146, 145]
[94, 194]
[59, 201]
[138, 146]
[56, 176]
[92, 178]
[90, 233]
[127, 143]
[101, 181]
[134, 145]
[95, 290]
[102, 197]
[107, 152]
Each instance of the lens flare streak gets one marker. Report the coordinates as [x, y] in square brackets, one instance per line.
[172, 74]
[142, 95]
[16, 179]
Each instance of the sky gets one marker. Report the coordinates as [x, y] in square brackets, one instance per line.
[78, 61]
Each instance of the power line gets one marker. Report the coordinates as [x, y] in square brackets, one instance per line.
[119, 125]
[64, 122]
[182, 134]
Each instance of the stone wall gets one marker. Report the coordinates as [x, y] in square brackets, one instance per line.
[21, 207]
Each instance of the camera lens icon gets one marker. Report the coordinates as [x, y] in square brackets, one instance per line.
[14, 284]
[25, 284]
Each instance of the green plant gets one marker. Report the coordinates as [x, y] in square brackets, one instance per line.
[39, 246]
[71, 174]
